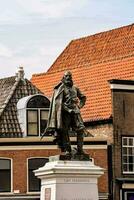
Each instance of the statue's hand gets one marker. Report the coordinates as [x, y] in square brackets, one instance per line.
[70, 111]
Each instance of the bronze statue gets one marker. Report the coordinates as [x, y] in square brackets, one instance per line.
[64, 115]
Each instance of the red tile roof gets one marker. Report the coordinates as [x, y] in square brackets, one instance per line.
[94, 60]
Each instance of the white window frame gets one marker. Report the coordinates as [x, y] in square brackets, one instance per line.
[32, 192]
[127, 146]
[11, 161]
[126, 193]
[38, 118]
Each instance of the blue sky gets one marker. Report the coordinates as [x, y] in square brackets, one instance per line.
[34, 32]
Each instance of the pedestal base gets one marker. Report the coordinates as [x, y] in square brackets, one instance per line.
[69, 180]
[71, 157]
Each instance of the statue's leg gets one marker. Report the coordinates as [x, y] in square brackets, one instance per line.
[67, 141]
[79, 128]
[65, 132]
[80, 142]
[58, 139]
[63, 140]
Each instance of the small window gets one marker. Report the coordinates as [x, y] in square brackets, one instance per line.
[5, 175]
[33, 114]
[32, 122]
[43, 120]
[36, 121]
[128, 154]
[33, 164]
[37, 115]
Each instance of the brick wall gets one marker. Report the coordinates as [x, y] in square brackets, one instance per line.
[20, 165]
[103, 131]
[100, 159]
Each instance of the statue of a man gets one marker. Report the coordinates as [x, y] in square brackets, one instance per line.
[64, 114]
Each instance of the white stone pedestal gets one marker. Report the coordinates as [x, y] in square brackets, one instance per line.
[69, 180]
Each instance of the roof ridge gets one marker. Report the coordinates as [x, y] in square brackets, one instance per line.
[10, 94]
[17, 80]
[7, 77]
[106, 31]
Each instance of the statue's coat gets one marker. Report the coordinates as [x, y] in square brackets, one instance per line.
[55, 115]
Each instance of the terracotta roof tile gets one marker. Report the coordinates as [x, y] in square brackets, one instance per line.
[93, 61]
[102, 47]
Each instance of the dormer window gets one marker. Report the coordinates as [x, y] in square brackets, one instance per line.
[33, 114]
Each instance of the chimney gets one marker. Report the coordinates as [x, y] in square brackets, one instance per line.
[20, 73]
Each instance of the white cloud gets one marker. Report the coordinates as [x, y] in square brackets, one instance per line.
[5, 51]
[51, 8]
[50, 50]
[28, 11]
[7, 17]
[10, 12]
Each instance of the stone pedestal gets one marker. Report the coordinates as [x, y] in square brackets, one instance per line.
[69, 180]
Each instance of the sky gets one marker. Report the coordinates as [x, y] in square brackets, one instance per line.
[33, 33]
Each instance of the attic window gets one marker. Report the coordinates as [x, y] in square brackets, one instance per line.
[36, 121]
[33, 114]
[37, 115]
[38, 102]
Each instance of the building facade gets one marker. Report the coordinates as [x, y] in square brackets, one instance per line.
[123, 136]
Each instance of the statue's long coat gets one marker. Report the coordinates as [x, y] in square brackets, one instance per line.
[55, 113]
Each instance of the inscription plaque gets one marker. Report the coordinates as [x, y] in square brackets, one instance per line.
[77, 180]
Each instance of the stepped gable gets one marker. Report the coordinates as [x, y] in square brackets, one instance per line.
[93, 61]
[12, 89]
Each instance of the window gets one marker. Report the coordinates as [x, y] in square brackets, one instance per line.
[32, 120]
[33, 164]
[128, 154]
[5, 175]
[33, 114]
[36, 121]
[37, 115]
[43, 120]
[128, 194]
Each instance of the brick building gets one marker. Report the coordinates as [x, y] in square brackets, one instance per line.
[123, 136]
[23, 117]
